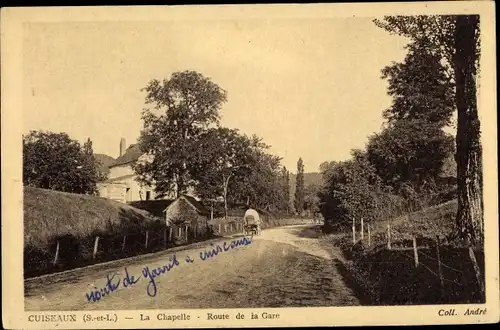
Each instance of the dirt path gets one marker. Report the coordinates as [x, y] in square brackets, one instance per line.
[284, 267]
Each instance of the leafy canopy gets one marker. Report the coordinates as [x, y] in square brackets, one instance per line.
[55, 161]
[183, 107]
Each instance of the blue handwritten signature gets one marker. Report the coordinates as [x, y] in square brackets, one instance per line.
[113, 282]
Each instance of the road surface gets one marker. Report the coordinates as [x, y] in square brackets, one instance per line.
[283, 267]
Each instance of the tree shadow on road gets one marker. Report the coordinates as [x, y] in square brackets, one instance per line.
[308, 232]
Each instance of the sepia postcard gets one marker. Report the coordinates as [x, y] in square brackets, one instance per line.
[278, 165]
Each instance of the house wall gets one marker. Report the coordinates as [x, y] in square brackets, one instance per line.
[113, 191]
[135, 191]
[117, 171]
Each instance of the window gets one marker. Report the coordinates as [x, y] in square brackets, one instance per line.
[148, 195]
[127, 194]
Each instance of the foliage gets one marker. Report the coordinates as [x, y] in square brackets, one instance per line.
[286, 189]
[457, 40]
[221, 154]
[183, 108]
[400, 169]
[432, 32]
[410, 151]
[263, 184]
[55, 161]
[311, 197]
[420, 89]
[299, 190]
[187, 147]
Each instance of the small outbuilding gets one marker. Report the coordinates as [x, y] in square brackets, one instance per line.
[187, 211]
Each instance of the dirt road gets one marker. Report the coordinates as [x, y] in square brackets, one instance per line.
[283, 267]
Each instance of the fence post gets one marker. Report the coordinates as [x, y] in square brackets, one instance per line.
[123, 243]
[220, 228]
[147, 236]
[441, 281]
[362, 230]
[415, 251]
[369, 235]
[389, 236]
[353, 231]
[57, 254]
[180, 232]
[195, 230]
[170, 232]
[225, 228]
[96, 245]
[165, 238]
[186, 234]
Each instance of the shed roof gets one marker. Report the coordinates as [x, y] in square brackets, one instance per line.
[155, 207]
[197, 205]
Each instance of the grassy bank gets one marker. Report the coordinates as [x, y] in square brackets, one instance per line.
[73, 221]
[392, 277]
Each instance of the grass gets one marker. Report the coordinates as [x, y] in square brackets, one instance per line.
[391, 277]
[50, 214]
[425, 225]
[72, 221]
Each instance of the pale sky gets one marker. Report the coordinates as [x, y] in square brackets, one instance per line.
[310, 88]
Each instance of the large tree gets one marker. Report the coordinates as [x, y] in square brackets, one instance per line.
[262, 186]
[299, 187]
[420, 88]
[457, 40]
[311, 198]
[353, 190]
[55, 161]
[221, 156]
[469, 164]
[182, 108]
[409, 152]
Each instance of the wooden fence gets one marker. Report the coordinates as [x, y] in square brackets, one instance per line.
[453, 267]
[70, 252]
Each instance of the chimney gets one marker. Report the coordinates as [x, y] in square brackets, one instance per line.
[123, 147]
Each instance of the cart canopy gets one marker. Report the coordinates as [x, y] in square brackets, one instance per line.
[252, 217]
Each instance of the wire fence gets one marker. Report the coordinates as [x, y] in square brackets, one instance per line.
[431, 262]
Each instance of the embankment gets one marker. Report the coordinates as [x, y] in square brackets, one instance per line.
[436, 272]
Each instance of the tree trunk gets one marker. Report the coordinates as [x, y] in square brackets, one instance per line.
[470, 211]
[225, 195]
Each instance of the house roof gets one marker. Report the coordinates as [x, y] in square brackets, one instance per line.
[104, 162]
[132, 154]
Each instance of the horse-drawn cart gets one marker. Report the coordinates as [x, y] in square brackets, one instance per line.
[251, 223]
